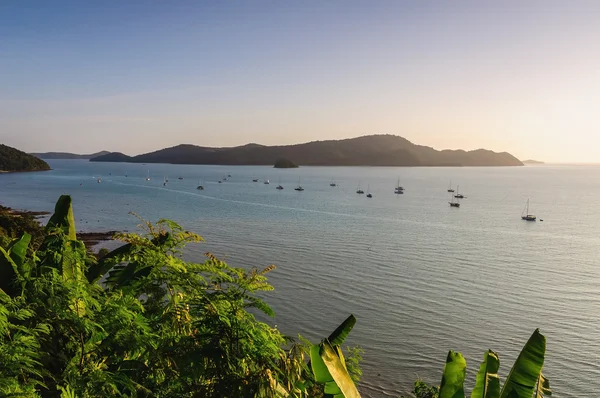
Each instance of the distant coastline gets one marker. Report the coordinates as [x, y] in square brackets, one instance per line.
[533, 162]
[372, 150]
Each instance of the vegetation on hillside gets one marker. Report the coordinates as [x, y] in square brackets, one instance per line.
[372, 150]
[112, 157]
[142, 322]
[12, 159]
[13, 224]
[285, 164]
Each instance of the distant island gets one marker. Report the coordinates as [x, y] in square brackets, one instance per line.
[530, 161]
[112, 157]
[371, 150]
[13, 160]
[67, 155]
[285, 164]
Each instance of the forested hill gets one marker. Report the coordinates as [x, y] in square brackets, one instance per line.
[12, 159]
[67, 155]
[373, 150]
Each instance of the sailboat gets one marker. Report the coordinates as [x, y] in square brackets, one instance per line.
[399, 189]
[458, 195]
[267, 182]
[200, 186]
[99, 180]
[368, 192]
[525, 214]
[299, 187]
[333, 184]
[358, 190]
[454, 203]
[165, 181]
[450, 187]
[148, 178]
[255, 179]
[279, 186]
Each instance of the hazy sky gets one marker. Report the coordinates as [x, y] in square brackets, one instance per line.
[134, 76]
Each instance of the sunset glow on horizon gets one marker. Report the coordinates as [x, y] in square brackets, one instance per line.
[521, 77]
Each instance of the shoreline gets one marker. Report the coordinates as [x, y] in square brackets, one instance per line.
[23, 171]
[89, 239]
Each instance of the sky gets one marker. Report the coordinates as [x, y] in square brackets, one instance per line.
[135, 76]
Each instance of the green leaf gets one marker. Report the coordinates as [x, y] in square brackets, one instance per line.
[454, 376]
[337, 370]
[8, 274]
[487, 383]
[18, 249]
[319, 368]
[543, 387]
[526, 371]
[339, 335]
[63, 217]
[106, 263]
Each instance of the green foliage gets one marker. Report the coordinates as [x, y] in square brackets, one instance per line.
[157, 326]
[12, 159]
[487, 383]
[526, 371]
[454, 376]
[14, 224]
[525, 380]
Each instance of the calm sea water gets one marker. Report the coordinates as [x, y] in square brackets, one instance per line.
[422, 278]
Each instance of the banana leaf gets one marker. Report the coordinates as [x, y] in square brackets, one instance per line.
[487, 383]
[543, 387]
[18, 249]
[526, 371]
[63, 217]
[337, 369]
[339, 335]
[454, 376]
[106, 263]
[8, 274]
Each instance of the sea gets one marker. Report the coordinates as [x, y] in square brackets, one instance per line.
[422, 278]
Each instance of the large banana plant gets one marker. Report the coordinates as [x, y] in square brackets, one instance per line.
[525, 380]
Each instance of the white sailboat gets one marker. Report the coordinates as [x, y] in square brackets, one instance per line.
[399, 189]
[148, 178]
[453, 202]
[458, 195]
[358, 190]
[299, 187]
[525, 214]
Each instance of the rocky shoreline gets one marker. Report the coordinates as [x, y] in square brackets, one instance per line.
[90, 239]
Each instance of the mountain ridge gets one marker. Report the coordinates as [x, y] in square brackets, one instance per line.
[370, 150]
[68, 155]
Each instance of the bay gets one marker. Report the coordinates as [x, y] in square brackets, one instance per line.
[422, 278]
